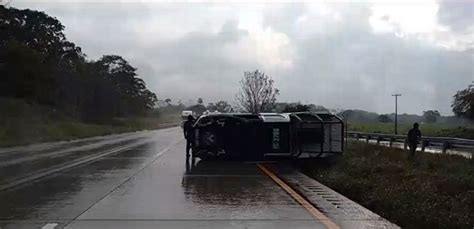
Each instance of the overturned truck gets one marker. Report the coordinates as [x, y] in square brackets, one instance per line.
[268, 135]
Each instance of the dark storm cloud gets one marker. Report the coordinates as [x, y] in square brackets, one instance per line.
[327, 55]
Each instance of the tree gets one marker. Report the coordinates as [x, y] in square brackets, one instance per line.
[20, 81]
[223, 107]
[431, 116]
[199, 101]
[384, 119]
[211, 107]
[133, 97]
[168, 101]
[296, 108]
[197, 109]
[256, 92]
[463, 104]
[316, 108]
[148, 99]
[35, 55]
[38, 64]
[38, 31]
[181, 105]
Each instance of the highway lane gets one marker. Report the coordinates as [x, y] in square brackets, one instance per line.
[149, 185]
[62, 196]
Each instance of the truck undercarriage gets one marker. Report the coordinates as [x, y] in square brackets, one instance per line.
[268, 135]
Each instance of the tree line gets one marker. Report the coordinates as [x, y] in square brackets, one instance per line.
[257, 94]
[199, 108]
[38, 64]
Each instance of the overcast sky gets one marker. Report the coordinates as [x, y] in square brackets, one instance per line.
[339, 55]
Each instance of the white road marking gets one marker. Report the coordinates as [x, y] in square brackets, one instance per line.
[49, 226]
[158, 155]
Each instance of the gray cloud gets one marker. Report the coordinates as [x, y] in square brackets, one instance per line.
[197, 65]
[327, 56]
[458, 15]
[351, 67]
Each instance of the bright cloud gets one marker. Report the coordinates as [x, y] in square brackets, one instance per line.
[420, 20]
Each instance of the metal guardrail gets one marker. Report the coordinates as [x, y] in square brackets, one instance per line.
[445, 143]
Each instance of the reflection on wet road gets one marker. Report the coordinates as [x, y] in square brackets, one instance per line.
[151, 186]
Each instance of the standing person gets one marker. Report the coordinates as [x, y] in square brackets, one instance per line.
[189, 133]
[413, 137]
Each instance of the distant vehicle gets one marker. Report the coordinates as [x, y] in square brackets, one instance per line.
[184, 116]
[268, 135]
[208, 112]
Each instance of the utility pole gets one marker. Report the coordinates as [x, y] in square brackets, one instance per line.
[346, 125]
[396, 107]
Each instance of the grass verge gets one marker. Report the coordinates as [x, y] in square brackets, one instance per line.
[22, 123]
[429, 191]
[69, 130]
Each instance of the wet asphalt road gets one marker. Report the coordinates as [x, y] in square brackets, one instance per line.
[148, 185]
[142, 180]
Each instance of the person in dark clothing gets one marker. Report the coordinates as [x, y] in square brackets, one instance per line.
[413, 137]
[188, 134]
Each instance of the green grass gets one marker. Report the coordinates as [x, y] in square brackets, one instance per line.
[434, 130]
[429, 191]
[22, 123]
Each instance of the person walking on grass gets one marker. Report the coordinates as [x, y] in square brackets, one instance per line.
[413, 137]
